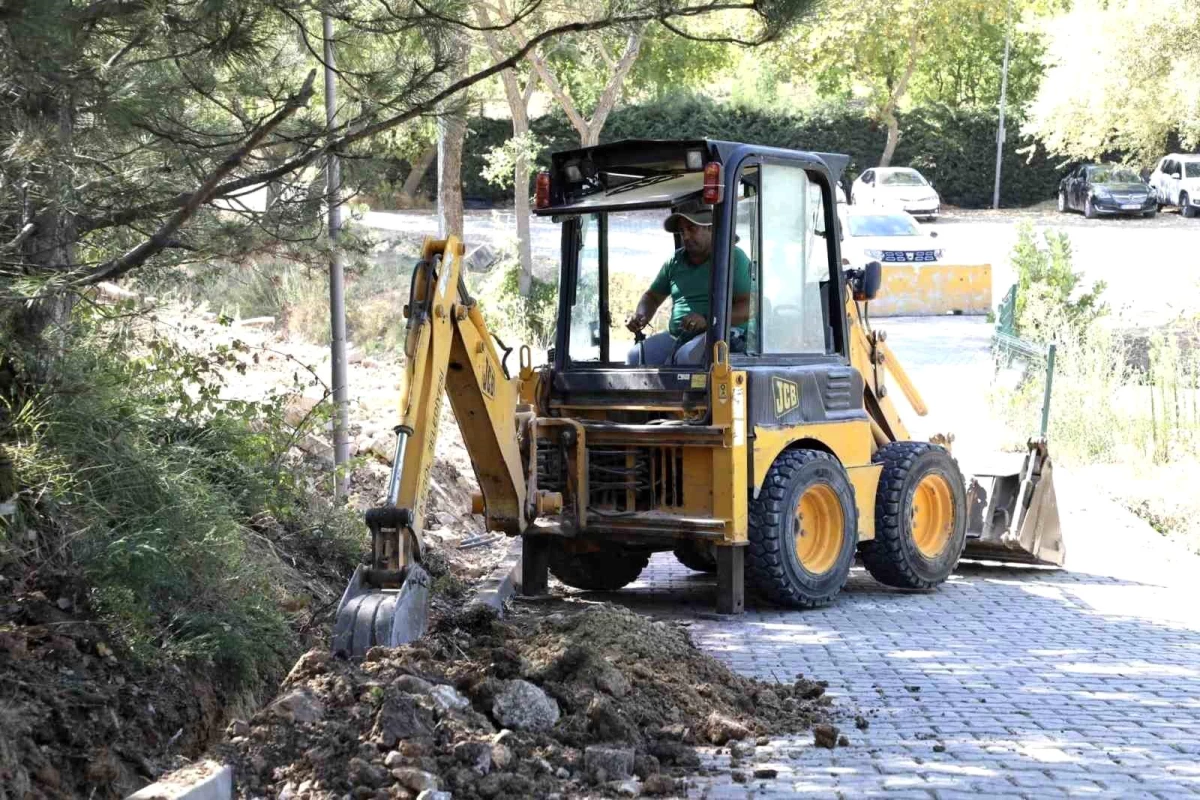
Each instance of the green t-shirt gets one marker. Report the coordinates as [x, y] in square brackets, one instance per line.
[688, 284]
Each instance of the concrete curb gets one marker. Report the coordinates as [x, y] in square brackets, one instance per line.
[504, 580]
[204, 780]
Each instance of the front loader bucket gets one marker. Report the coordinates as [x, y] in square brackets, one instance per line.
[372, 615]
[1013, 515]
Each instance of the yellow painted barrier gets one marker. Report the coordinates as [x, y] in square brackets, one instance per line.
[928, 290]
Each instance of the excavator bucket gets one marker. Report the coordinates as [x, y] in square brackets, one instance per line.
[1012, 516]
[370, 615]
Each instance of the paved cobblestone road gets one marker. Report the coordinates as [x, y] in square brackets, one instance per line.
[1005, 682]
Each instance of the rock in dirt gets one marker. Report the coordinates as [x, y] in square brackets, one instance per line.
[861, 722]
[825, 735]
[411, 684]
[415, 780]
[364, 773]
[607, 763]
[720, 729]
[238, 727]
[629, 788]
[765, 773]
[431, 794]
[476, 756]
[524, 707]
[401, 718]
[658, 785]
[447, 697]
[298, 705]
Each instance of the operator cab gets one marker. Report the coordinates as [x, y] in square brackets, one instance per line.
[770, 207]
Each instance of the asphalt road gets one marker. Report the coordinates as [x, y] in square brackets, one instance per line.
[1151, 266]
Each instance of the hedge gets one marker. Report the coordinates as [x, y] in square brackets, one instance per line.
[953, 148]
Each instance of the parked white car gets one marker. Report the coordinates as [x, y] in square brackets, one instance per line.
[899, 188]
[1176, 181]
[889, 237]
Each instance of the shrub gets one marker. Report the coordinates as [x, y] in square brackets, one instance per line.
[519, 320]
[1048, 295]
[169, 499]
[955, 148]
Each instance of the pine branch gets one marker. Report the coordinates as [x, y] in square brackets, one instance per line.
[164, 236]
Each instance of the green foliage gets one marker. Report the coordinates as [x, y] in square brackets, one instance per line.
[530, 320]
[502, 160]
[1123, 80]
[1047, 296]
[171, 499]
[954, 148]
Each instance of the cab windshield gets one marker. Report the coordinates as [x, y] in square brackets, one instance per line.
[1113, 175]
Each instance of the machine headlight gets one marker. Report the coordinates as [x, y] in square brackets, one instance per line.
[875, 254]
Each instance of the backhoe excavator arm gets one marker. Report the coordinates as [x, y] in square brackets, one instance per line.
[448, 350]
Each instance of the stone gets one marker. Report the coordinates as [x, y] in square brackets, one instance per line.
[288, 792]
[502, 757]
[411, 684]
[364, 773]
[416, 780]
[825, 736]
[675, 754]
[401, 718]
[720, 729]
[763, 741]
[612, 681]
[239, 727]
[765, 773]
[607, 763]
[657, 785]
[522, 706]
[562, 773]
[629, 788]
[448, 698]
[432, 794]
[476, 755]
[394, 759]
[298, 705]
[645, 765]
[861, 722]
[606, 721]
[738, 776]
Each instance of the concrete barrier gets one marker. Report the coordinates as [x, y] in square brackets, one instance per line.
[923, 290]
[204, 780]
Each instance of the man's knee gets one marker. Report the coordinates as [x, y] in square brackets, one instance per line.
[692, 352]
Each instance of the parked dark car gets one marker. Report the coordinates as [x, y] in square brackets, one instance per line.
[1097, 189]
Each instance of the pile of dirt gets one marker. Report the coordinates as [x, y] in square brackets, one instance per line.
[569, 700]
[79, 716]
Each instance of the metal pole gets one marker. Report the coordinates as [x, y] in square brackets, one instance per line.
[1003, 96]
[1049, 383]
[337, 293]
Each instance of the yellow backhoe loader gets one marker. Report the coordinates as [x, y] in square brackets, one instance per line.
[772, 454]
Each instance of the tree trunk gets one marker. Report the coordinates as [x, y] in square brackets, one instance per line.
[521, 209]
[893, 138]
[417, 173]
[452, 130]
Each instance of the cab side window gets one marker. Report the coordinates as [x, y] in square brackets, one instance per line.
[793, 263]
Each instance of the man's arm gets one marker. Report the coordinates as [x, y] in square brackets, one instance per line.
[741, 309]
[646, 307]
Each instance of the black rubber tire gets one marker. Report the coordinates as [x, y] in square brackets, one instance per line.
[601, 570]
[1089, 210]
[1151, 214]
[696, 556]
[1185, 206]
[772, 565]
[1062, 203]
[892, 556]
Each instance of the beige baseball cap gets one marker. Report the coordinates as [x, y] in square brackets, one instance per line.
[694, 211]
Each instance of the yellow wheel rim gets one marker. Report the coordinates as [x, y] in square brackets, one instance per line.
[932, 515]
[819, 528]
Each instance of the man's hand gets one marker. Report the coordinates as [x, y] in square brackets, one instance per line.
[693, 323]
[636, 322]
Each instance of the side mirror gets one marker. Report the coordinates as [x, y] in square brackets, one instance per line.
[865, 282]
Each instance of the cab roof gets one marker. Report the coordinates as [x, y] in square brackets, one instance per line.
[649, 173]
